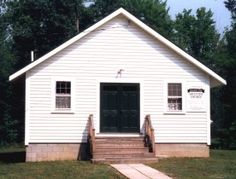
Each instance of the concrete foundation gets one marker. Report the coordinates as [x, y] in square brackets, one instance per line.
[51, 152]
[182, 150]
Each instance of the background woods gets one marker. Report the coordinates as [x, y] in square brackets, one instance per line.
[42, 25]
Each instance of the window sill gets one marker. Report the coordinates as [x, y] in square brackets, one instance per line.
[174, 113]
[200, 111]
[62, 112]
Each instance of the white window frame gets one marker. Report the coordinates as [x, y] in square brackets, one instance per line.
[166, 109]
[53, 95]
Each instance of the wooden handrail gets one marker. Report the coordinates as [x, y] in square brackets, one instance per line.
[149, 134]
[91, 134]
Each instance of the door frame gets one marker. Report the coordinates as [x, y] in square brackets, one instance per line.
[118, 80]
[119, 88]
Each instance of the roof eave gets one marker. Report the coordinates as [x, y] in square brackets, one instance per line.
[66, 44]
[216, 83]
[179, 51]
[141, 25]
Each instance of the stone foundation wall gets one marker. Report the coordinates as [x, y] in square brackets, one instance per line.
[182, 150]
[51, 152]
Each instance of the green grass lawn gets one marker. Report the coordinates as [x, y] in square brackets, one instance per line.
[221, 164]
[57, 170]
[12, 165]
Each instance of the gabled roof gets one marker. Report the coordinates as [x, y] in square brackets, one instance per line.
[216, 79]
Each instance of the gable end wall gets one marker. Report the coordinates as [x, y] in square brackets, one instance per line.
[117, 45]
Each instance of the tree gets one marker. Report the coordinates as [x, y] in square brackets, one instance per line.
[197, 34]
[42, 25]
[8, 125]
[226, 61]
[25, 26]
[152, 12]
[102, 8]
[231, 6]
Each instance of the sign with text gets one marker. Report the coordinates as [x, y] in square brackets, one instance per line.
[196, 98]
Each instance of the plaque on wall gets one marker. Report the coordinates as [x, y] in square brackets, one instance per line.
[196, 98]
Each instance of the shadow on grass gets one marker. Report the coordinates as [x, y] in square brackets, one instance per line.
[12, 157]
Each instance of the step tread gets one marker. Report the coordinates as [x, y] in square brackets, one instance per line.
[133, 155]
[119, 145]
[122, 152]
[121, 149]
[119, 139]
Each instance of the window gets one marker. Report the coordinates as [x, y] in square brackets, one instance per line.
[63, 95]
[174, 97]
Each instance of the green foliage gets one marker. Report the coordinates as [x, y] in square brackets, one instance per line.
[152, 12]
[8, 132]
[231, 5]
[102, 8]
[8, 129]
[197, 34]
[225, 61]
[44, 24]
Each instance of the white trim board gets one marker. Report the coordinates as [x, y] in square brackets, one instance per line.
[27, 106]
[217, 80]
[183, 86]
[53, 94]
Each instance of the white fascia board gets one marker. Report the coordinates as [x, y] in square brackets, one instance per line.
[174, 47]
[64, 45]
[137, 22]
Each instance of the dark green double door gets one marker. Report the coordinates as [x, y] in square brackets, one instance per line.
[119, 108]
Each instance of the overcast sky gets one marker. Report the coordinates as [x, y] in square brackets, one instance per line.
[221, 14]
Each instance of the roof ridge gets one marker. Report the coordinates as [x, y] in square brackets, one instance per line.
[140, 24]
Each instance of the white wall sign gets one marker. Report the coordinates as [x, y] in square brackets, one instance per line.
[196, 98]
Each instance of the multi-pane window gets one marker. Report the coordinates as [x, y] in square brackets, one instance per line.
[63, 95]
[174, 97]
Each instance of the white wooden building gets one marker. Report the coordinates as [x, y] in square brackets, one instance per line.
[119, 70]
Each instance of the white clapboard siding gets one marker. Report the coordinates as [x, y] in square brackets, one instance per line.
[117, 45]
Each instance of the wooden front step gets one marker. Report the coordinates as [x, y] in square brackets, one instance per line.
[121, 149]
[123, 155]
[115, 145]
[118, 145]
